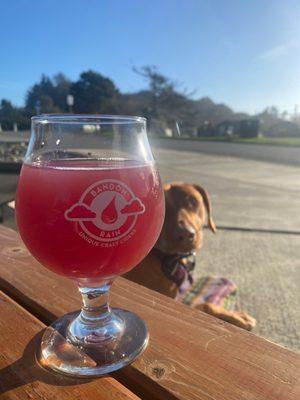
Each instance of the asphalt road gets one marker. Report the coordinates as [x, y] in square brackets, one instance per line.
[260, 152]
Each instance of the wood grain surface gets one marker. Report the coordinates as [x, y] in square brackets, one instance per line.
[191, 355]
[22, 378]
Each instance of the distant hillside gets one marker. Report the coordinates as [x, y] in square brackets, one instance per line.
[274, 126]
[207, 110]
[161, 102]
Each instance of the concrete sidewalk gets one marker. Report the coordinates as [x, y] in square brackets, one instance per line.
[264, 263]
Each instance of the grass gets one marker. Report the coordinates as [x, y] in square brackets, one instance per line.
[280, 141]
[277, 141]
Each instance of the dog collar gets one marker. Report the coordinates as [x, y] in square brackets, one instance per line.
[177, 267]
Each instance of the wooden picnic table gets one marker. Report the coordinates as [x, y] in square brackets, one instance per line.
[190, 355]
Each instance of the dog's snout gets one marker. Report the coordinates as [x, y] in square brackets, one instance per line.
[185, 232]
[191, 235]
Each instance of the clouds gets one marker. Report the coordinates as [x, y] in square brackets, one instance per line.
[134, 207]
[278, 51]
[80, 212]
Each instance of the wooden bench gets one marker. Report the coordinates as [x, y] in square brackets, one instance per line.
[191, 355]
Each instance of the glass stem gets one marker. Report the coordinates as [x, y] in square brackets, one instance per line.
[95, 303]
[95, 323]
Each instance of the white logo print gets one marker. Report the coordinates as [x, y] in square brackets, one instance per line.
[107, 210]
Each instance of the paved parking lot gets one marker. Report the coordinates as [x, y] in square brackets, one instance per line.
[256, 205]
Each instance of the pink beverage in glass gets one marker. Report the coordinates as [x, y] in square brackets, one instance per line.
[89, 219]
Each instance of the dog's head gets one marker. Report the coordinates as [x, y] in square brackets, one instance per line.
[187, 209]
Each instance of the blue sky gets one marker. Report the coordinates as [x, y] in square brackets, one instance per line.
[243, 53]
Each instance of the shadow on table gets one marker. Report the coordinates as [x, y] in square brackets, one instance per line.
[26, 370]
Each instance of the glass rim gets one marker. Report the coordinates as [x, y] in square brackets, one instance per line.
[87, 118]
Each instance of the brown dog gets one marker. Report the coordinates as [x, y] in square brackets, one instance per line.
[187, 209]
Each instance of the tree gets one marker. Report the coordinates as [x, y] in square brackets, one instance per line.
[42, 97]
[61, 88]
[10, 115]
[94, 93]
[7, 115]
[160, 88]
[166, 103]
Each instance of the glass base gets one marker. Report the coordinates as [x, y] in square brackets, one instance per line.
[93, 353]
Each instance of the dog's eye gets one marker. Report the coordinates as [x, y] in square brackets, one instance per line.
[192, 202]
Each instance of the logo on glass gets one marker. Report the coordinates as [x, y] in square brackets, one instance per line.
[107, 210]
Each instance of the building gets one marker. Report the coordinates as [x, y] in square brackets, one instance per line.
[246, 128]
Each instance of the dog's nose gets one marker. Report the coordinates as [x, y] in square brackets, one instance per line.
[191, 235]
[185, 232]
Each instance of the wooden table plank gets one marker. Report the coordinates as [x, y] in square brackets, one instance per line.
[190, 355]
[22, 378]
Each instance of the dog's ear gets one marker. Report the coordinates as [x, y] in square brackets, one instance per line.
[167, 186]
[208, 207]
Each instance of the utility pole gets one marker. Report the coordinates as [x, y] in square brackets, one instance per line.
[70, 102]
[38, 107]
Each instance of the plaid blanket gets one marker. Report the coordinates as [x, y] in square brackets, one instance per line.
[212, 289]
